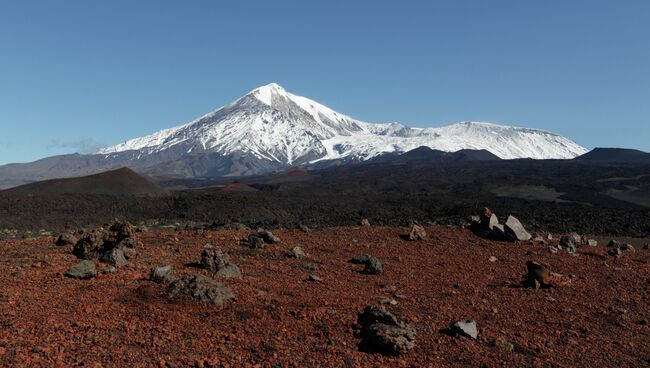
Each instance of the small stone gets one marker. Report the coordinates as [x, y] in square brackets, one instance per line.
[646, 246]
[464, 328]
[627, 247]
[295, 252]
[65, 239]
[364, 222]
[553, 249]
[539, 276]
[314, 278]
[360, 259]
[109, 269]
[592, 242]
[160, 274]
[616, 252]
[213, 258]
[268, 236]
[388, 301]
[417, 233]
[304, 229]
[492, 259]
[373, 266]
[254, 242]
[82, 270]
[114, 257]
[129, 253]
[229, 270]
[571, 242]
[503, 345]
[613, 244]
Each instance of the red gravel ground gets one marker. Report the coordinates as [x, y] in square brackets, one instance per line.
[279, 319]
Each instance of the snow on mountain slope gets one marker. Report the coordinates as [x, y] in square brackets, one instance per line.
[272, 124]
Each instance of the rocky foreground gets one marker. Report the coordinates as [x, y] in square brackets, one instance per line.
[342, 297]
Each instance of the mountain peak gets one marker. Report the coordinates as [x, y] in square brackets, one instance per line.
[265, 93]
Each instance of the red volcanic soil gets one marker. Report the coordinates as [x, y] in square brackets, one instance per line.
[238, 187]
[279, 319]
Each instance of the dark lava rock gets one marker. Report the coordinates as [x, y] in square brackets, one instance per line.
[82, 270]
[91, 245]
[417, 233]
[382, 332]
[268, 236]
[65, 239]
[96, 243]
[646, 246]
[464, 328]
[360, 259]
[616, 252]
[200, 288]
[213, 258]
[498, 232]
[253, 242]
[229, 270]
[515, 230]
[295, 252]
[613, 244]
[160, 274]
[216, 260]
[114, 257]
[627, 247]
[373, 266]
[539, 276]
[571, 242]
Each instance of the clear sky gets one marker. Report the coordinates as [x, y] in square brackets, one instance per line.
[77, 74]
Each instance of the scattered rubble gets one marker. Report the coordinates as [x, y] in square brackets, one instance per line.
[382, 332]
[112, 246]
[200, 288]
[539, 276]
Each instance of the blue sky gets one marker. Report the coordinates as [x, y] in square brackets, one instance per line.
[77, 74]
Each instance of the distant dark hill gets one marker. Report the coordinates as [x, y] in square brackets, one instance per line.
[425, 154]
[615, 155]
[122, 181]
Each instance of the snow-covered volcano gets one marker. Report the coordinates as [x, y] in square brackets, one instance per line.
[271, 129]
[271, 124]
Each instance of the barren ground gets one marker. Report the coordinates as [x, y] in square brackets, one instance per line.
[279, 319]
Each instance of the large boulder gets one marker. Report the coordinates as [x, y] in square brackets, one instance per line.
[82, 270]
[515, 230]
[200, 288]
[539, 276]
[382, 332]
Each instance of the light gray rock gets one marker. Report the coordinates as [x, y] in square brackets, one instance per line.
[160, 274]
[295, 252]
[493, 259]
[114, 257]
[464, 328]
[515, 230]
[82, 270]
